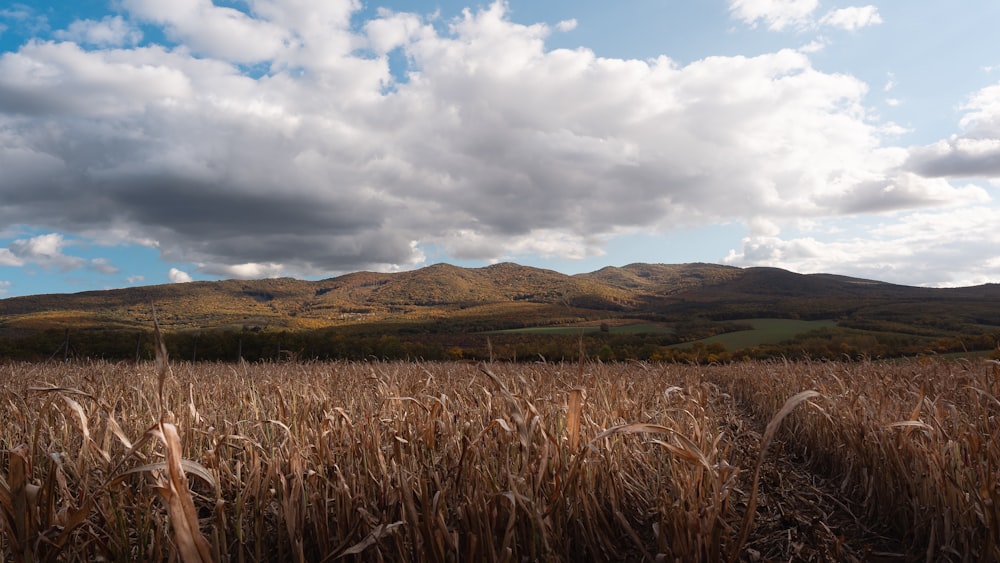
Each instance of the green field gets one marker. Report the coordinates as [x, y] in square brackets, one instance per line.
[765, 331]
[621, 329]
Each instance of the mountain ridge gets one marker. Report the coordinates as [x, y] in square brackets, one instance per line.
[441, 291]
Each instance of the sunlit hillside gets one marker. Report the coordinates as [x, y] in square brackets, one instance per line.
[645, 308]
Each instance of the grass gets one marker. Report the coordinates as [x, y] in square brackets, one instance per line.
[497, 462]
[765, 331]
[627, 328]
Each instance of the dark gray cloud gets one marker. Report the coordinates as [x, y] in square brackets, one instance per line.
[904, 191]
[975, 153]
[493, 145]
[958, 158]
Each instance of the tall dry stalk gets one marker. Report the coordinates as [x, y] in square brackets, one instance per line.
[444, 462]
[173, 489]
[191, 544]
[573, 412]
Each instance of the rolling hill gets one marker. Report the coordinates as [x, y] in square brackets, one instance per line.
[443, 298]
[432, 292]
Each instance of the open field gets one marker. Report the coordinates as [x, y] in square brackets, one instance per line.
[765, 331]
[615, 328]
[444, 312]
[500, 462]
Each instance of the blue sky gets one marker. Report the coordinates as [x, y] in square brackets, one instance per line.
[146, 142]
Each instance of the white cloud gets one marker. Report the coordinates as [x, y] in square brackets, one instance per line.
[4, 287]
[215, 31]
[41, 246]
[776, 14]
[974, 153]
[110, 31]
[852, 18]
[131, 280]
[392, 30]
[178, 276]
[907, 190]
[43, 250]
[567, 25]
[102, 266]
[815, 46]
[763, 227]
[98, 84]
[494, 146]
[250, 270]
[8, 258]
[780, 15]
[546, 243]
[983, 113]
[932, 246]
[26, 18]
[890, 83]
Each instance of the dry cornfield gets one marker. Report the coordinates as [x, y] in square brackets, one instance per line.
[500, 462]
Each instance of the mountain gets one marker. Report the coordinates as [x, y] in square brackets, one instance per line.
[295, 304]
[444, 298]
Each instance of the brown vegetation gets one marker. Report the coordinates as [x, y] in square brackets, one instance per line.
[458, 461]
[510, 296]
[440, 311]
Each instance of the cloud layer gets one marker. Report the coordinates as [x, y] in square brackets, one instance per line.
[973, 153]
[779, 15]
[277, 141]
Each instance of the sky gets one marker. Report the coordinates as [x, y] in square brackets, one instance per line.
[146, 142]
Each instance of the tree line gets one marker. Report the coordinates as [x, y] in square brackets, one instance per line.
[835, 343]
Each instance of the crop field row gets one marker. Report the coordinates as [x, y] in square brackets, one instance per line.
[375, 461]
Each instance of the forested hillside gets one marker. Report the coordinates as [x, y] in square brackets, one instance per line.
[639, 311]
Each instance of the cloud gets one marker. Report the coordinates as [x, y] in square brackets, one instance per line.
[46, 251]
[105, 84]
[906, 191]
[815, 46]
[933, 246]
[8, 258]
[776, 14]
[101, 265]
[494, 145]
[890, 83]
[779, 15]
[974, 153]
[43, 250]
[26, 18]
[110, 31]
[251, 270]
[852, 18]
[42, 246]
[214, 31]
[132, 280]
[178, 276]
[566, 25]
[958, 157]
[4, 287]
